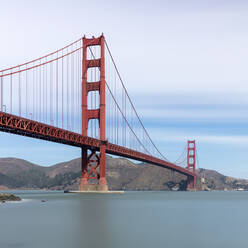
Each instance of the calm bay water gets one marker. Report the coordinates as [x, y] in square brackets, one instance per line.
[134, 219]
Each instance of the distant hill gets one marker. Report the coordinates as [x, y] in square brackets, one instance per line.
[217, 181]
[11, 166]
[121, 174]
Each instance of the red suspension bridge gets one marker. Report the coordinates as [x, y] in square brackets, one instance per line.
[76, 96]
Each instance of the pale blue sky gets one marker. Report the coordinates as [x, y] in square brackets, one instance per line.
[190, 56]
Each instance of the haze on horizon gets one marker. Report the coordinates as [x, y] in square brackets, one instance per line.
[189, 55]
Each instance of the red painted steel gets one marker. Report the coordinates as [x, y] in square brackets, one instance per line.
[26, 127]
[93, 164]
[191, 164]
[98, 114]
[191, 155]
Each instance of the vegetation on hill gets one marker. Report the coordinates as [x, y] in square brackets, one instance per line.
[217, 181]
[121, 174]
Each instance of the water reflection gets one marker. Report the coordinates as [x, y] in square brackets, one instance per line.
[135, 219]
[94, 221]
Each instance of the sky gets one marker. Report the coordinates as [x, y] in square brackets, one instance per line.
[183, 62]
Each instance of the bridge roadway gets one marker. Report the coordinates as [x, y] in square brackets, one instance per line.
[26, 127]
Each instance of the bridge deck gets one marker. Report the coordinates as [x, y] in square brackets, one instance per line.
[26, 127]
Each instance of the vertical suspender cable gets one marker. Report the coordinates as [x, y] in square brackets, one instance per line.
[19, 92]
[51, 93]
[72, 90]
[26, 92]
[67, 90]
[46, 92]
[78, 101]
[11, 88]
[57, 91]
[40, 92]
[33, 84]
[43, 87]
[1, 88]
[62, 82]
[76, 97]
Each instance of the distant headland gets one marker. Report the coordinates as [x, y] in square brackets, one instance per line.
[122, 174]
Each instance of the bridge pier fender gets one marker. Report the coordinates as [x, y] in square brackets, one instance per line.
[191, 183]
[93, 170]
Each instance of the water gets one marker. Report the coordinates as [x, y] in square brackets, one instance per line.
[135, 219]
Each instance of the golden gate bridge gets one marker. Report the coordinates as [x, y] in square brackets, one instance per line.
[76, 96]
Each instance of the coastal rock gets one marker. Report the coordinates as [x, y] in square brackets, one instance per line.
[8, 197]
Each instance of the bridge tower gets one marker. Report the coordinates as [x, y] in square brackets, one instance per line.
[93, 163]
[191, 164]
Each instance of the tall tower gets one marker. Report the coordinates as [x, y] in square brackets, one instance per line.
[191, 155]
[93, 164]
[191, 164]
